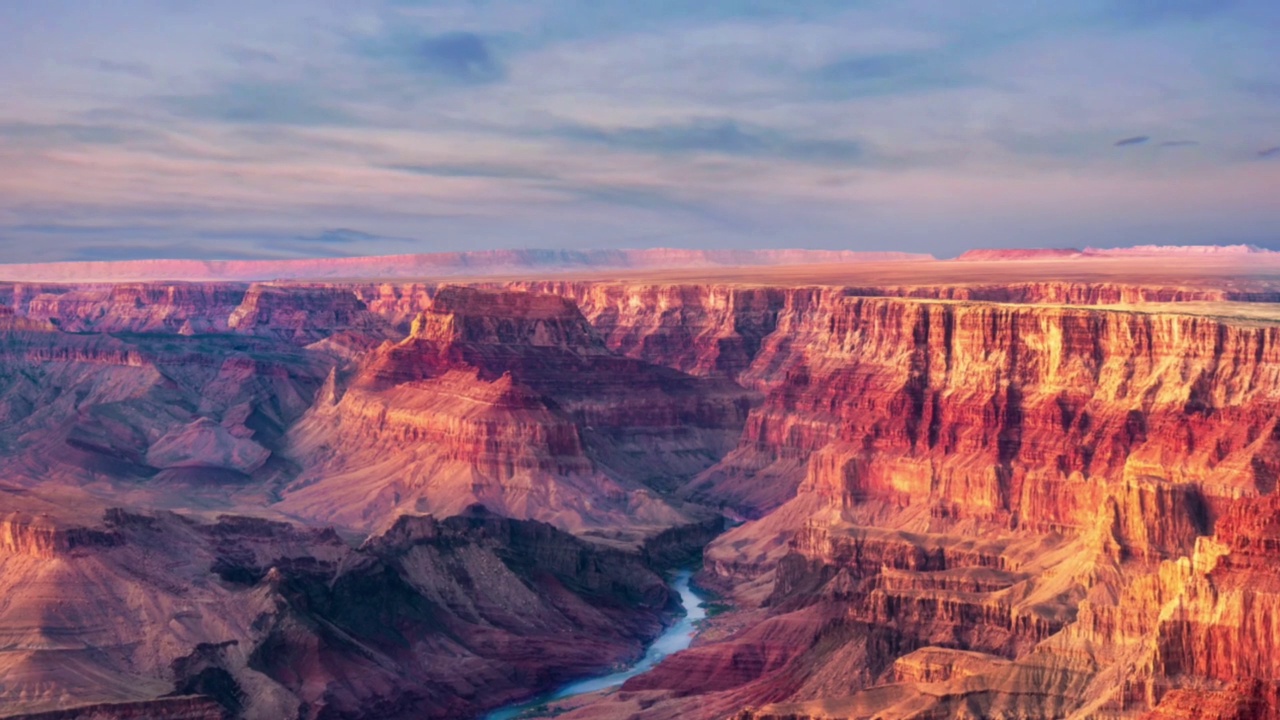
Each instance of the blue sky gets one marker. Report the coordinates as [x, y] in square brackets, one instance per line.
[167, 128]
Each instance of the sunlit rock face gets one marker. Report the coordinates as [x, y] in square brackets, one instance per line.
[1003, 497]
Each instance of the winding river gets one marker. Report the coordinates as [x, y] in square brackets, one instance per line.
[673, 639]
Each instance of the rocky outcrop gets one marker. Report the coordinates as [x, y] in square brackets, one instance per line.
[42, 538]
[698, 329]
[303, 314]
[513, 401]
[1094, 447]
[1027, 413]
[80, 408]
[176, 708]
[256, 618]
[184, 308]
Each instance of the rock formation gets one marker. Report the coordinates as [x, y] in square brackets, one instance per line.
[511, 400]
[433, 619]
[955, 493]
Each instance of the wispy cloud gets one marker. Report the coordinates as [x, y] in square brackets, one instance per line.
[180, 251]
[458, 57]
[717, 137]
[899, 73]
[60, 134]
[137, 70]
[471, 170]
[346, 236]
[246, 55]
[1135, 140]
[259, 103]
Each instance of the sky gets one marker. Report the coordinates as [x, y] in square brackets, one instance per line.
[317, 128]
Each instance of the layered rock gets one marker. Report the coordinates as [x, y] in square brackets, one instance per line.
[971, 499]
[253, 618]
[42, 538]
[513, 401]
[176, 708]
[93, 410]
[1014, 409]
[304, 314]
[136, 307]
[1097, 445]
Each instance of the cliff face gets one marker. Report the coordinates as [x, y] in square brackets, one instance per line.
[304, 314]
[1093, 446]
[26, 536]
[298, 314]
[178, 708]
[1014, 408]
[510, 400]
[98, 409]
[1182, 638]
[163, 308]
[699, 329]
[711, 328]
[1027, 414]
[164, 616]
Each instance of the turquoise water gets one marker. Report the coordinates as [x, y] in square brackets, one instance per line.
[672, 640]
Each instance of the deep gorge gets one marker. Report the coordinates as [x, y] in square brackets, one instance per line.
[1035, 499]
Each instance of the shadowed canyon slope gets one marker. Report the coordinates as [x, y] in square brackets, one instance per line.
[1031, 487]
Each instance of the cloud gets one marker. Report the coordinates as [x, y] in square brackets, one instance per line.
[477, 170]
[891, 74]
[141, 71]
[63, 133]
[330, 242]
[178, 251]
[71, 230]
[1135, 140]
[716, 137]
[1270, 152]
[259, 103]
[655, 199]
[346, 236]
[460, 57]
[246, 55]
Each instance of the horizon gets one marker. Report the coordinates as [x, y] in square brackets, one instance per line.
[588, 255]
[171, 130]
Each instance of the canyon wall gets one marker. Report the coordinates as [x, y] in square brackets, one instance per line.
[513, 401]
[981, 499]
[247, 617]
[1097, 446]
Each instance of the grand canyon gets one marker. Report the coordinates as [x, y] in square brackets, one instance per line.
[1015, 484]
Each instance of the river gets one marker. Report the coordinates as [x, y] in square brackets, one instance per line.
[673, 639]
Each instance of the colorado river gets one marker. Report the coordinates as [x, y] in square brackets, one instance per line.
[673, 639]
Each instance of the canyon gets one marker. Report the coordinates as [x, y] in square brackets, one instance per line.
[1012, 485]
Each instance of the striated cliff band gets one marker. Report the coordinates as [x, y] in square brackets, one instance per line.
[1038, 485]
